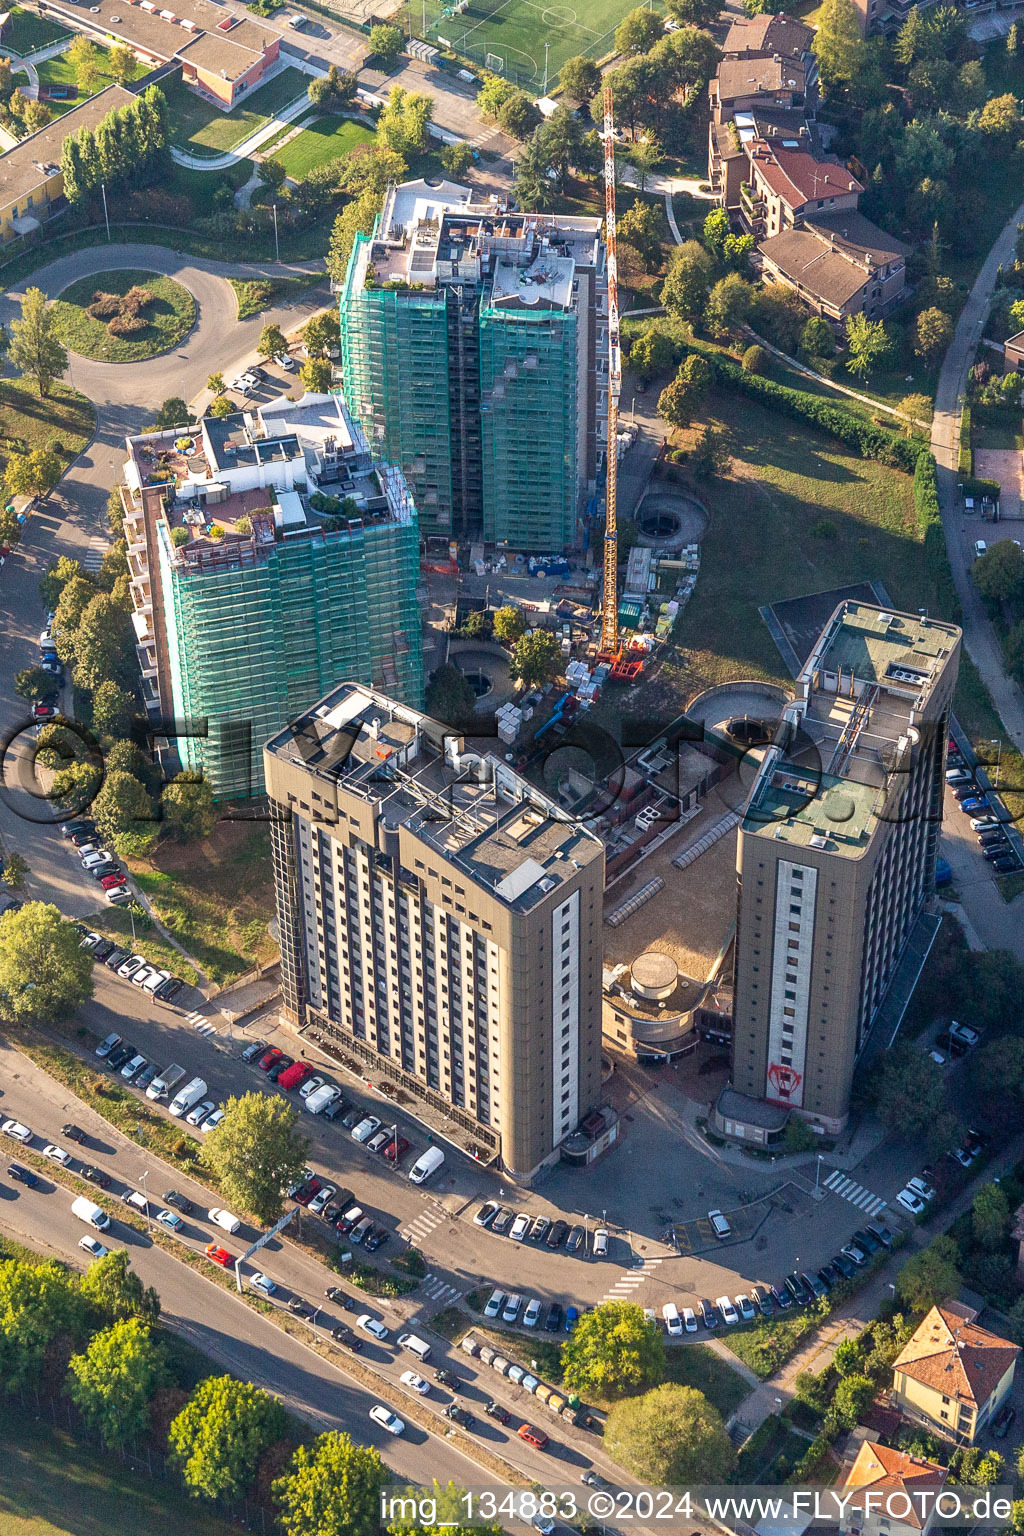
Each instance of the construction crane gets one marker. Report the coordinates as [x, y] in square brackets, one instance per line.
[624, 667]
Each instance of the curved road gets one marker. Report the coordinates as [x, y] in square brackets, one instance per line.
[126, 396]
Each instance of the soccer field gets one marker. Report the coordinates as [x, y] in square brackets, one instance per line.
[509, 36]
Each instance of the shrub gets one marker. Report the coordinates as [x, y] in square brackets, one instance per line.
[243, 525]
[104, 305]
[755, 359]
[179, 536]
[929, 520]
[216, 532]
[126, 325]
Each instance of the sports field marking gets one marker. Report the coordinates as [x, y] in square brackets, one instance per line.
[559, 16]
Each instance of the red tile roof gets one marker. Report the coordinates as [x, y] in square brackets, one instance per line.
[882, 1470]
[798, 176]
[950, 1354]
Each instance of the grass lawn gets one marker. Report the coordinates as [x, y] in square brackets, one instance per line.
[325, 139]
[768, 1344]
[24, 32]
[60, 71]
[170, 316]
[216, 897]
[695, 1365]
[256, 295]
[517, 30]
[54, 1486]
[199, 127]
[28, 422]
[148, 941]
[808, 515]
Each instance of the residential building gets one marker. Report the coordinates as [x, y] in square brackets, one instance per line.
[836, 857]
[953, 1376]
[874, 16]
[31, 180]
[224, 54]
[889, 1492]
[728, 166]
[473, 348]
[740, 85]
[787, 183]
[840, 264]
[440, 921]
[267, 557]
[755, 36]
[1013, 349]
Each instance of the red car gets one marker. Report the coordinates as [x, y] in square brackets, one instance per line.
[110, 881]
[295, 1075]
[396, 1149]
[268, 1058]
[304, 1195]
[42, 711]
[534, 1437]
[219, 1255]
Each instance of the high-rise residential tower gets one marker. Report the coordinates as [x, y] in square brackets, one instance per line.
[836, 855]
[267, 558]
[473, 349]
[440, 918]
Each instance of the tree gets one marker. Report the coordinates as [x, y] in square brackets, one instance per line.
[34, 683]
[999, 574]
[678, 403]
[187, 807]
[990, 1216]
[645, 156]
[272, 172]
[930, 1276]
[402, 125]
[580, 79]
[613, 1350]
[754, 360]
[640, 227]
[908, 1089]
[778, 314]
[509, 625]
[838, 46]
[1000, 119]
[852, 1398]
[386, 46]
[115, 1293]
[316, 375]
[710, 454]
[919, 409]
[321, 334]
[933, 332]
[518, 116]
[867, 342]
[456, 159]
[670, 1435]
[78, 592]
[14, 869]
[728, 305]
[694, 13]
[271, 342]
[173, 413]
[257, 1153]
[684, 61]
[32, 474]
[113, 1382]
[56, 579]
[638, 31]
[45, 975]
[222, 406]
[716, 231]
[448, 1510]
[449, 697]
[494, 91]
[817, 338]
[653, 352]
[40, 1305]
[535, 658]
[123, 813]
[221, 1433]
[357, 218]
[121, 63]
[332, 1488]
[1013, 40]
[334, 91]
[73, 789]
[685, 289]
[36, 350]
[113, 710]
[104, 643]
[85, 61]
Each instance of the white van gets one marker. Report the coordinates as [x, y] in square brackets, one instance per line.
[416, 1346]
[226, 1220]
[321, 1097]
[980, 549]
[187, 1098]
[673, 1322]
[424, 1166]
[90, 1213]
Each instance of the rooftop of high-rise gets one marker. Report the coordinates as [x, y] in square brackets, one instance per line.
[840, 758]
[503, 833]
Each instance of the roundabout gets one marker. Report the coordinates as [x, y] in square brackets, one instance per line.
[124, 316]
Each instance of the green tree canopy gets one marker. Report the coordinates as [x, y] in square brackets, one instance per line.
[257, 1152]
[728, 304]
[613, 1350]
[32, 474]
[645, 156]
[40, 1309]
[45, 975]
[332, 1488]
[852, 1398]
[653, 352]
[225, 1427]
[113, 709]
[34, 683]
[316, 375]
[456, 159]
[990, 1213]
[57, 577]
[694, 13]
[838, 46]
[518, 116]
[670, 1435]
[509, 625]
[640, 227]
[76, 595]
[187, 807]
[123, 810]
[386, 45]
[685, 289]
[402, 125]
[638, 31]
[113, 1382]
[115, 1292]
[449, 697]
[121, 63]
[173, 413]
[451, 1508]
[580, 79]
[36, 349]
[933, 332]
[999, 574]
[930, 1276]
[535, 658]
[271, 342]
[867, 342]
[817, 338]
[334, 91]
[104, 644]
[908, 1089]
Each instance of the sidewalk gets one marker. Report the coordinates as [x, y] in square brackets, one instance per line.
[657, 181]
[246, 147]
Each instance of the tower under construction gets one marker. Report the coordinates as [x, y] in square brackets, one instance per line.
[474, 352]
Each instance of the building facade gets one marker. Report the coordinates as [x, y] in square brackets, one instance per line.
[440, 919]
[953, 1376]
[267, 557]
[836, 854]
[31, 180]
[889, 1492]
[840, 264]
[473, 351]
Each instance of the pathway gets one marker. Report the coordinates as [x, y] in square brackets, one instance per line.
[979, 636]
[842, 389]
[246, 147]
[657, 181]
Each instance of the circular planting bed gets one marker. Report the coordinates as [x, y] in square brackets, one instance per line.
[124, 316]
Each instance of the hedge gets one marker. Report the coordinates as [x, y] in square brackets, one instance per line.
[929, 520]
[965, 456]
[871, 442]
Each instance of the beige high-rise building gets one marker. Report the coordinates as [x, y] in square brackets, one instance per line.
[836, 856]
[440, 918]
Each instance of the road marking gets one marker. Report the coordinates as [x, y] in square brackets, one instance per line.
[840, 1184]
[421, 1226]
[437, 1289]
[630, 1279]
[200, 1023]
[93, 557]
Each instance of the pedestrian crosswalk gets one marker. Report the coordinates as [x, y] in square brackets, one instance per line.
[848, 1189]
[200, 1023]
[93, 557]
[422, 1225]
[630, 1279]
[433, 1288]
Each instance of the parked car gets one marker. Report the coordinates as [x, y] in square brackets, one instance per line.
[16, 1130]
[198, 1115]
[708, 1315]
[501, 1223]
[253, 1049]
[762, 1299]
[910, 1202]
[95, 1176]
[386, 1419]
[1003, 1421]
[180, 1202]
[520, 1227]
[727, 1310]
[494, 1410]
[396, 1149]
[600, 1247]
[107, 1045]
[22, 1175]
[376, 1238]
[495, 1303]
[553, 1320]
[575, 1240]
[72, 1132]
[277, 1067]
[218, 1255]
[366, 1128]
[267, 1060]
[372, 1325]
[170, 1219]
[322, 1198]
[531, 1317]
[416, 1383]
[169, 989]
[93, 1247]
[262, 1283]
[57, 1155]
[881, 1231]
[557, 1234]
[745, 1307]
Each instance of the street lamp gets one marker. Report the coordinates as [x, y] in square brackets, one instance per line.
[143, 1177]
[817, 1172]
[996, 741]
